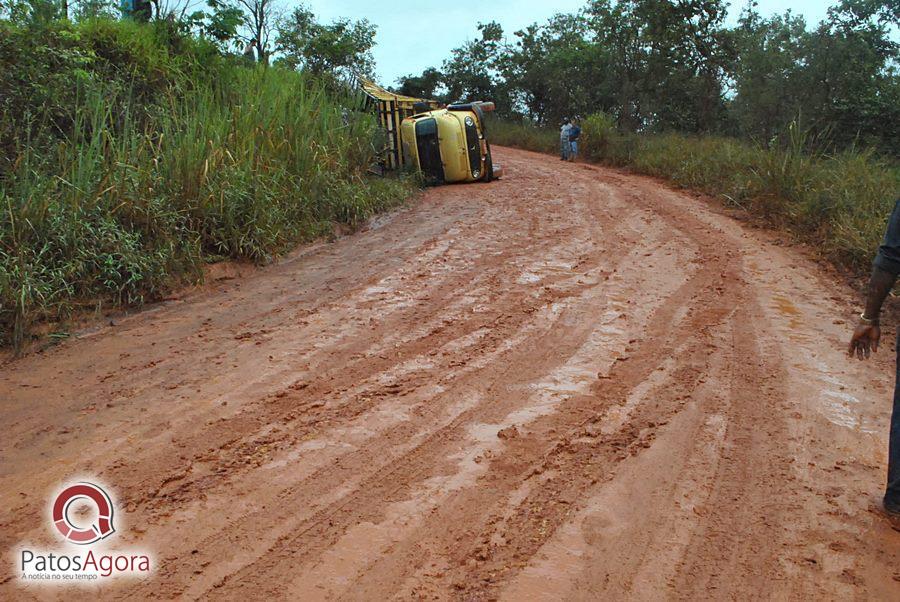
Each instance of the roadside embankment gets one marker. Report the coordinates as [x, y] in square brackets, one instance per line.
[134, 154]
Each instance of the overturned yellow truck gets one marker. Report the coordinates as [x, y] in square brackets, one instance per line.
[446, 144]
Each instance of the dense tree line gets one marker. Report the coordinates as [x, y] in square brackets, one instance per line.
[260, 30]
[651, 65]
[675, 65]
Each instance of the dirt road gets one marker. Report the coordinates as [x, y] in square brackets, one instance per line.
[569, 384]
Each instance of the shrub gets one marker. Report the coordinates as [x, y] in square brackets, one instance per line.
[523, 135]
[597, 134]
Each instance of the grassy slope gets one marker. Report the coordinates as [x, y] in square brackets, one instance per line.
[135, 154]
[840, 202]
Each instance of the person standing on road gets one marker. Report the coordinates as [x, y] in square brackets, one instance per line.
[574, 133]
[564, 143]
[865, 340]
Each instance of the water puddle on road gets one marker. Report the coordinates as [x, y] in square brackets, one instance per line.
[816, 378]
[528, 278]
[838, 406]
[787, 308]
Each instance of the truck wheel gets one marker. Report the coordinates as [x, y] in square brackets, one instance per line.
[488, 166]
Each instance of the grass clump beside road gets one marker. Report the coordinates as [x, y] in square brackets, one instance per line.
[133, 154]
[839, 201]
[523, 135]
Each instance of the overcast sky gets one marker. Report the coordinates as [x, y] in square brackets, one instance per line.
[415, 35]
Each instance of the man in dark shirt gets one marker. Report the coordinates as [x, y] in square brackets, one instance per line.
[574, 133]
[865, 340]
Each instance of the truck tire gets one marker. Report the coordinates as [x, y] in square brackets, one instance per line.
[488, 166]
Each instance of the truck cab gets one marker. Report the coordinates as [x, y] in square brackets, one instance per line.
[445, 143]
[449, 145]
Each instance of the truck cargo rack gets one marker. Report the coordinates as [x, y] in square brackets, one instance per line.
[392, 109]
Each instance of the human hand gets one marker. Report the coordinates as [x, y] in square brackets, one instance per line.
[864, 340]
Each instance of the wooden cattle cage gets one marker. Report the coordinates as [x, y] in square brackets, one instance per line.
[392, 109]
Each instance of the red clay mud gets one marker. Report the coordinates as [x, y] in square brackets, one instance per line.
[569, 384]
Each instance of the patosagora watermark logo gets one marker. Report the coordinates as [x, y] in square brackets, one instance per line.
[81, 492]
[81, 514]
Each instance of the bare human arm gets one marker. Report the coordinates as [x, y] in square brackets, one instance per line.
[868, 332]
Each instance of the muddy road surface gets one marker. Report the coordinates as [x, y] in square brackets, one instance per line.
[572, 383]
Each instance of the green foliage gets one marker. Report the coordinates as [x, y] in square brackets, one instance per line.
[221, 22]
[598, 133]
[551, 67]
[94, 9]
[660, 66]
[421, 86]
[136, 154]
[523, 134]
[468, 74]
[31, 12]
[305, 43]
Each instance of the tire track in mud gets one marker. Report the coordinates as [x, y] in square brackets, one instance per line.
[317, 538]
[310, 396]
[663, 317]
[452, 423]
[304, 494]
[481, 558]
[182, 326]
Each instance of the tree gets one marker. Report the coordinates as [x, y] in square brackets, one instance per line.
[668, 60]
[319, 48]
[855, 13]
[222, 22]
[657, 65]
[471, 72]
[260, 18]
[618, 28]
[425, 85]
[169, 10]
[709, 55]
[768, 75]
[33, 11]
[94, 9]
[550, 70]
[851, 73]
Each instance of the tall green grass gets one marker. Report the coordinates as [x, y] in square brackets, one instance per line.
[839, 202]
[151, 171]
[523, 135]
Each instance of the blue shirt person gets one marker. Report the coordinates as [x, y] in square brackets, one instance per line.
[574, 133]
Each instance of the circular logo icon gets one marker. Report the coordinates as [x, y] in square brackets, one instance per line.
[102, 527]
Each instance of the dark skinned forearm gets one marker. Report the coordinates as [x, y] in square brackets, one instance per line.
[880, 284]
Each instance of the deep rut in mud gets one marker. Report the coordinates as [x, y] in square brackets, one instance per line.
[572, 383]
